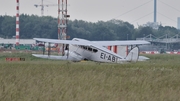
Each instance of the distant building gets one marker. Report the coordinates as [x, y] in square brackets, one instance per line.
[25, 44]
[12, 41]
[178, 23]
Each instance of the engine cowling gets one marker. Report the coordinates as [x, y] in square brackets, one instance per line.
[73, 56]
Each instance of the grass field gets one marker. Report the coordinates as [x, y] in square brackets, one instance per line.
[46, 80]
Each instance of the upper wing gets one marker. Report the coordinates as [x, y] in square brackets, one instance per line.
[62, 41]
[88, 43]
[121, 43]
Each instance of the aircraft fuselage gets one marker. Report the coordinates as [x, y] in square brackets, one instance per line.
[94, 54]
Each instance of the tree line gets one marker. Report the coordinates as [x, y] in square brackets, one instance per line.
[46, 27]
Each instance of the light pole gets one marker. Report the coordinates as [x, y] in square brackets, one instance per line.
[143, 36]
[127, 36]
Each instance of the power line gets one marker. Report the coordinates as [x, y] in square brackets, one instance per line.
[142, 17]
[166, 17]
[169, 6]
[49, 1]
[132, 9]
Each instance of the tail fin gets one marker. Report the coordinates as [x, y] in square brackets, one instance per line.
[133, 55]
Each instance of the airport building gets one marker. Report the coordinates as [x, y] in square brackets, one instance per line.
[13, 41]
[25, 44]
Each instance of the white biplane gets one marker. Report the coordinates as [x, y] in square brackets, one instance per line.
[80, 49]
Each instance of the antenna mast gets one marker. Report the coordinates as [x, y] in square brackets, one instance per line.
[155, 10]
[62, 21]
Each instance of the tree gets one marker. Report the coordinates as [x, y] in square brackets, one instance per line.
[46, 27]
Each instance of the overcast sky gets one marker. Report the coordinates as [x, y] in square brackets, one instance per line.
[136, 12]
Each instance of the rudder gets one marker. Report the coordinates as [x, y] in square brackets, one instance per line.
[133, 55]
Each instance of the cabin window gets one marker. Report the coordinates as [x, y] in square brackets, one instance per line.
[89, 49]
[95, 50]
[84, 47]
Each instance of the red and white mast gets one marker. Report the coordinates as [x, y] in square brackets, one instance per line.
[62, 21]
[17, 23]
[42, 8]
[59, 5]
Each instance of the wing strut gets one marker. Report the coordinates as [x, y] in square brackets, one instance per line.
[44, 48]
[49, 49]
[63, 49]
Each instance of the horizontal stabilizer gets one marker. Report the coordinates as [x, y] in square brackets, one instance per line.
[143, 58]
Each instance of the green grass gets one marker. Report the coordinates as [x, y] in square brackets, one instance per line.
[48, 80]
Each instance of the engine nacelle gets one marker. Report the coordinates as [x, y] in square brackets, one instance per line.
[73, 56]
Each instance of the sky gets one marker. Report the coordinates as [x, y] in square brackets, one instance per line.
[136, 12]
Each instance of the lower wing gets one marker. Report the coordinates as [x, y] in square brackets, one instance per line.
[75, 59]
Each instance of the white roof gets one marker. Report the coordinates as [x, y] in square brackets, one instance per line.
[21, 41]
